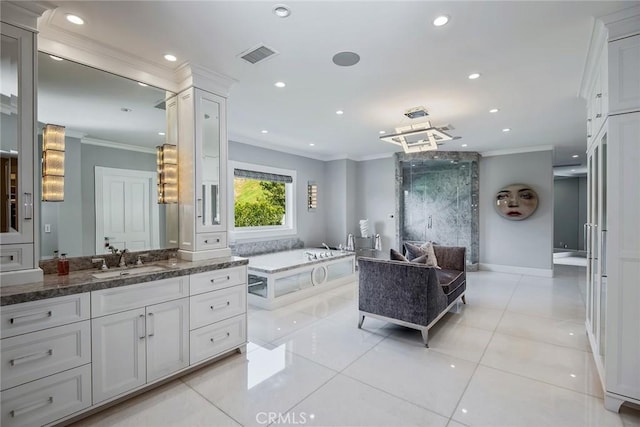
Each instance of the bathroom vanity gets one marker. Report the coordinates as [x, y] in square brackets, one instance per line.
[71, 344]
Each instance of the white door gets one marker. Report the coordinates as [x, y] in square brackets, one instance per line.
[167, 338]
[118, 353]
[126, 209]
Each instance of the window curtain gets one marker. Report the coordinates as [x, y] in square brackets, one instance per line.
[262, 176]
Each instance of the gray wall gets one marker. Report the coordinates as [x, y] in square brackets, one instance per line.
[336, 202]
[570, 209]
[526, 243]
[311, 225]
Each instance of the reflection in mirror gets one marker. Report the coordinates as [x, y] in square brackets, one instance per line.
[113, 125]
[210, 162]
[9, 127]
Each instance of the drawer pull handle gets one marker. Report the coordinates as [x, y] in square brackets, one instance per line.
[221, 338]
[31, 407]
[26, 317]
[213, 280]
[31, 357]
[152, 326]
[141, 327]
[9, 257]
[207, 241]
[598, 115]
[213, 307]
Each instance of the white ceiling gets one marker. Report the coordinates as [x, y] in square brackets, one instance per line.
[531, 57]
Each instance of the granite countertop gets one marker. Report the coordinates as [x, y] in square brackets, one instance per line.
[81, 281]
[284, 261]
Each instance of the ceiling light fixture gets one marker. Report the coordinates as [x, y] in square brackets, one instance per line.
[474, 76]
[575, 156]
[56, 58]
[494, 110]
[417, 138]
[382, 132]
[161, 133]
[143, 84]
[464, 145]
[311, 144]
[506, 130]
[441, 20]
[264, 131]
[171, 58]
[281, 10]
[339, 112]
[75, 19]
[279, 84]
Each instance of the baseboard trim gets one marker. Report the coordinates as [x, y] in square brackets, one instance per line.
[527, 271]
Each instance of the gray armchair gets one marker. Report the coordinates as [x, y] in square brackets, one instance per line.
[411, 294]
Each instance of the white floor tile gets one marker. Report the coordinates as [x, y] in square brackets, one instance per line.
[331, 345]
[261, 382]
[475, 315]
[347, 402]
[432, 380]
[552, 302]
[267, 326]
[173, 404]
[561, 366]
[496, 398]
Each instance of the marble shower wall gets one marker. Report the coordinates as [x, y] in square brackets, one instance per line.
[437, 199]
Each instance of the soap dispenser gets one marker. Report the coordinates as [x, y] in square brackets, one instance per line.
[63, 265]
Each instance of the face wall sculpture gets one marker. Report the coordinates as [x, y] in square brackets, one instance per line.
[516, 202]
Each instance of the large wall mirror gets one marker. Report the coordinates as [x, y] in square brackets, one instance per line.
[112, 126]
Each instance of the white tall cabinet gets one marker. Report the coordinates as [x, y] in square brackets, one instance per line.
[612, 90]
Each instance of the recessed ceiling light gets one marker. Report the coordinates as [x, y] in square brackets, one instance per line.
[161, 133]
[575, 156]
[441, 20]
[382, 132]
[339, 112]
[464, 145]
[311, 144]
[56, 58]
[281, 10]
[75, 19]
[279, 84]
[494, 110]
[143, 84]
[171, 58]
[264, 131]
[506, 130]
[474, 76]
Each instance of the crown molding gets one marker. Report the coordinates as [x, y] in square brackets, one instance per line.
[521, 150]
[624, 23]
[373, 157]
[194, 75]
[117, 145]
[24, 14]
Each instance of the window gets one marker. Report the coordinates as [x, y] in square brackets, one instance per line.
[262, 201]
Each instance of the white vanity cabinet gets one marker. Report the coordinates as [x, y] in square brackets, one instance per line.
[202, 155]
[142, 344]
[46, 360]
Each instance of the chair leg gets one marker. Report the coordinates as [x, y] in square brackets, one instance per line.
[425, 337]
[361, 322]
[464, 299]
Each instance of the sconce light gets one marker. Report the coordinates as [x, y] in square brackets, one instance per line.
[312, 196]
[53, 163]
[167, 163]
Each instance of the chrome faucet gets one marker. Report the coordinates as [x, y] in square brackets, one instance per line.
[328, 248]
[122, 261]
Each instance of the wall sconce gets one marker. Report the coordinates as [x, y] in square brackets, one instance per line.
[53, 163]
[312, 196]
[167, 164]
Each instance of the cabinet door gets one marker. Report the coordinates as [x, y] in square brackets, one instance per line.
[118, 351]
[167, 338]
[624, 75]
[17, 123]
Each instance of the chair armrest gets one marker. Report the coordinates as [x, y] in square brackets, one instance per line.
[400, 290]
[451, 257]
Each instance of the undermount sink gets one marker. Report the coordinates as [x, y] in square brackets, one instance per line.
[133, 271]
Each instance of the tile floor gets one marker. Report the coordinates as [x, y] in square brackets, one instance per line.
[516, 354]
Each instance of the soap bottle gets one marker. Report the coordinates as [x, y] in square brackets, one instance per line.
[63, 265]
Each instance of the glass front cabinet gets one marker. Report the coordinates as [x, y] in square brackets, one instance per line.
[17, 203]
[202, 152]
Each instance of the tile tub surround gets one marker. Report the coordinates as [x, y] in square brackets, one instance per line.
[265, 246]
[83, 280]
[290, 260]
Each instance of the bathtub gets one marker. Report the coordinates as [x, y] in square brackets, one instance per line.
[280, 278]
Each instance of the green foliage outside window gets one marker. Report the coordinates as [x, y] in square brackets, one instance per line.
[258, 203]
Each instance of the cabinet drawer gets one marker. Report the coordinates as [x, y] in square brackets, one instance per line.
[215, 339]
[211, 241]
[115, 300]
[38, 354]
[218, 279]
[16, 257]
[46, 400]
[34, 316]
[212, 307]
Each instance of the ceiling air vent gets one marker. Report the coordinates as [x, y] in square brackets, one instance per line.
[257, 54]
[416, 112]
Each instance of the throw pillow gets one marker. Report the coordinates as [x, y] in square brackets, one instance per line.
[420, 260]
[396, 256]
[414, 251]
[432, 261]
